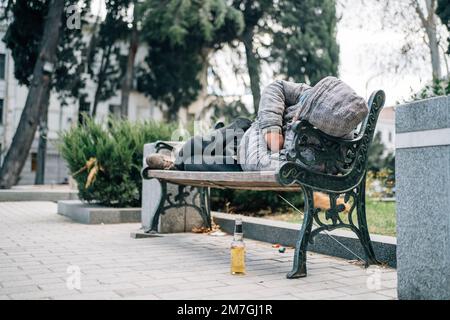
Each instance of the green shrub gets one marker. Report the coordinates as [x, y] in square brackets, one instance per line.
[254, 202]
[380, 184]
[106, 159]
[438, 87]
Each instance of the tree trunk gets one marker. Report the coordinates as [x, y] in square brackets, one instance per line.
[83, 104]
[42, 146]
[252, 66]
[428, 20]
[434, 51]
[38, 96]
[96, 100]
[200, 102]
[127, 83]
[101, 77]
[83, 109]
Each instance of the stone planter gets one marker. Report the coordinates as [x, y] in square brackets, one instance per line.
[95, 214]
[423, 199]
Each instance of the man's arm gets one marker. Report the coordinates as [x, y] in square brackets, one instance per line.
[274, 99]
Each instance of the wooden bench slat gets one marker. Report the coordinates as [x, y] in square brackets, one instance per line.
[241, 176]
[235, 180]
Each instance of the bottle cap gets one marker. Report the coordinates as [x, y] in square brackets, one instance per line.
[238, 225]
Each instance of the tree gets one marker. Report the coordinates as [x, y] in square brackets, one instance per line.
[304, 39]
[443, 11]
[108, 65]
[253, 13]
[102, 59]
[127, 81]
[23, 38]
[296, 38]
[416, 20]
[97, 58]
[38, 96]
[180, 36]
[66, 81]
[438, 87]
[427, 16]
[78, 60]
[222, 111]
[378, 159]
[375, 155]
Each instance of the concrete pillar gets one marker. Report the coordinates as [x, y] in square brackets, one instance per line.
[423, 199]
[182, 219]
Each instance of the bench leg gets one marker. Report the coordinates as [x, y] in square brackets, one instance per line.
[169, 200]
[160, 209]
[299, 267]
[335, 212]
[205, 206]
[363, 233]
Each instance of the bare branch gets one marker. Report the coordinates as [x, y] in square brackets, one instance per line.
[6, 9]
[416, 5]
[445, 58]
[431, 7]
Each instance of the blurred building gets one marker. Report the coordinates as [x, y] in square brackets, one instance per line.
[386, 127]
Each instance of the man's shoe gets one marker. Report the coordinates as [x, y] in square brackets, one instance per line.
[160, 161]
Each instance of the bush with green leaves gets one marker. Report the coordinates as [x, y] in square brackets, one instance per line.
[106, 159]
[439, 87]
[255, 203]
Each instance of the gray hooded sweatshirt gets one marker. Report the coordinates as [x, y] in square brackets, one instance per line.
[331, 106]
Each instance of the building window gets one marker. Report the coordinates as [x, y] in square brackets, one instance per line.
[33, 161]
[114, 109]
[390, 136]
[2, 66]
[1, 111]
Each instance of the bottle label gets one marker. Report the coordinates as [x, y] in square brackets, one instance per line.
[238, 260]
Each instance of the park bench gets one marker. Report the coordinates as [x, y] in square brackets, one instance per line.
[346, 158]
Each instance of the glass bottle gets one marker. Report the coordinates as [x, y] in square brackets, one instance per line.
[238, 249]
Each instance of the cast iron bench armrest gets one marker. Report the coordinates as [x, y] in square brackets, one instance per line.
[291, 173]
[348, 157]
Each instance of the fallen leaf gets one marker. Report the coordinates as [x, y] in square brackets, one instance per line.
[215, 229]
[357, 262]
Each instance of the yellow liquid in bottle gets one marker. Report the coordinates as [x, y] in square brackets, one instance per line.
[237, 260]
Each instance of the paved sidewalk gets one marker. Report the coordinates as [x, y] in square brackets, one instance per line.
[42, 253]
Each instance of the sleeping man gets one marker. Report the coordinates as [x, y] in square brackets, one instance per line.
[331, 106]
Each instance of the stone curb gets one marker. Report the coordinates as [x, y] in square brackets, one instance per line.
[37, 195]
[95, 214]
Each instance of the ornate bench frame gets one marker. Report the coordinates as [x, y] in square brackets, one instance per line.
[348, 157]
